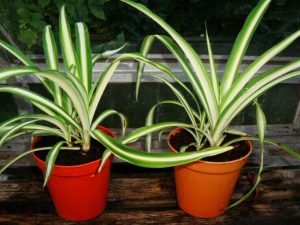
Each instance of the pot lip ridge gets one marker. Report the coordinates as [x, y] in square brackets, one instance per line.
[104, 129]
[72, 166]
[249, 144]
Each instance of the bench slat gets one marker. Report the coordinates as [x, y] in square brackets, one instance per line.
[151, 200]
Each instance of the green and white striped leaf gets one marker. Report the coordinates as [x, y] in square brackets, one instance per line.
[36, 128]
[105, 156]
[176, 51]
[285, 148]
[78, 98]
[50, 49]
[235, 132]
[145, 48]
[261, 127]
[79, 86]
[69, 54]
[213, 69]
[108, 113]
[21, 156]
[241, 45]
[150, 115]
[281, 146]
[254, 88]
[196, 139]
[252, 69]
[41, 133]
[44, 109]
[14, 130]
[19, 55]
[51, 119]
[50, 160]
[17, 71]
[158, 160]
[261, 123]
[143, 131]
[84, 54]
[29, 152]
[106, 54]
[184, 148]
[105, 77]
[17, 134]
[34, 97]
[199, 79]
[181, 98]
[51, 55]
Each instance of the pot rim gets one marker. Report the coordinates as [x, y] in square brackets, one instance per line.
[177, 129]
[103, 128]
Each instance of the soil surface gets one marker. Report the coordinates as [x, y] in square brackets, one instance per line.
[69, 157]
[184, 138]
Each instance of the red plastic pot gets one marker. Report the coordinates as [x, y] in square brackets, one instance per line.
[78, 192]
[204, 188]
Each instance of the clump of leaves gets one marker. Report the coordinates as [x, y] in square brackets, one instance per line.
[70, 112]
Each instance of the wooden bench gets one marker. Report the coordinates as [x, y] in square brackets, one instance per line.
[147, 196]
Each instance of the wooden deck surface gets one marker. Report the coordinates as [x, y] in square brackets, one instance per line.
[147, 196]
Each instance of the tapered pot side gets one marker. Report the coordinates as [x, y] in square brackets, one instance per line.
[204, 188]
[78, 192]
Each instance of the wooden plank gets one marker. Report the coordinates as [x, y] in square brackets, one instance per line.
[157, 56]
[285, 215]
[126, 71]
[166, 217]
[272, 129]
[144, 200]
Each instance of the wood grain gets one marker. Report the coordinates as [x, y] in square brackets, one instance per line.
[151, 200]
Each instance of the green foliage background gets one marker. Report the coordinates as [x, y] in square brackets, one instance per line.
[111, 20]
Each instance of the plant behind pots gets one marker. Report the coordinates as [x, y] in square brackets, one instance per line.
[217, 102]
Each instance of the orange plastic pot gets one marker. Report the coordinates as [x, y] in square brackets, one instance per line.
[78, 192]
[204, 188]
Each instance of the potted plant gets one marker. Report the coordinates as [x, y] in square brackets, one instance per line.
[63, 147]
[204, 187]
[66, 129]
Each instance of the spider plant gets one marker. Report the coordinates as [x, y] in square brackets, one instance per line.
[215, 102]
[70, 113]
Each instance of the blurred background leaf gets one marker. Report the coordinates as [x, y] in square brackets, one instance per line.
[43, 3]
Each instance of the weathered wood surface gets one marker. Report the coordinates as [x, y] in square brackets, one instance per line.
[137, 198]
[126, 71]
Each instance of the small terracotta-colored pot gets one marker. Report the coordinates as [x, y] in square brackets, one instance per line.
[204, 188]
[78, 192]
